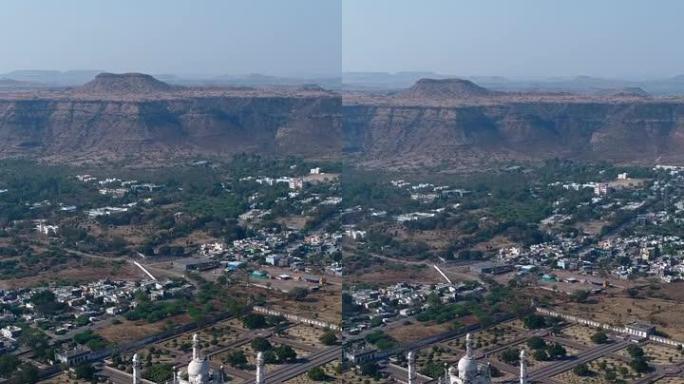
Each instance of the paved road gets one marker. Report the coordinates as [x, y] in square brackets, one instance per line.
[584, 357]
[401, 374]
[119, 377]
[293, 370]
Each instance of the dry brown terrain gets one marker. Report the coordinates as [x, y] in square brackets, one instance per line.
[133, 330]
[76, 274]
[667, 315]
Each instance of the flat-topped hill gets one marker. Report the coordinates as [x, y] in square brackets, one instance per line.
[125, 83]
[445, 89]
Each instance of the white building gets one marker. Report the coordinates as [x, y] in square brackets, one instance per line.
[468, 370]
[198, 371]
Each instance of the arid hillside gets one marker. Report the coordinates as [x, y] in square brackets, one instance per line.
[136, 117]
[460, 125]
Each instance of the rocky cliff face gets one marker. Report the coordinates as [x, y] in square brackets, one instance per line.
[137, 118]
[406, 136]
[66, 128]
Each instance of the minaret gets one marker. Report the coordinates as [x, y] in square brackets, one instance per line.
[175, 375]
[411, 367]
[523, 368]
[136, 374]
[469, 346]
[221, 379]
[260, 370]
[195, 347]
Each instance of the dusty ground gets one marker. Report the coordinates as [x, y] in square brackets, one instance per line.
[306, 334]
[416, 330]
[384, 276]
[667, 315]
[133, 330]
[325, 305]
[592, 227]
[76, 273]
[580, 334]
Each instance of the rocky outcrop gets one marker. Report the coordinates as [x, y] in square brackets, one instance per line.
[466, 136]
[152, 130]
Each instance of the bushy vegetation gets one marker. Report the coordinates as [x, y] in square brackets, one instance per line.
[381, 340]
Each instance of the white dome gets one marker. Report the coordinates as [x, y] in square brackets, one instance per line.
[467, 367]
[198, 368]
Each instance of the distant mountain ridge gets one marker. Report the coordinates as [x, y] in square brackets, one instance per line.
[578, 84]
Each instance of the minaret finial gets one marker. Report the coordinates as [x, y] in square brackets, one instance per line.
[469, 345]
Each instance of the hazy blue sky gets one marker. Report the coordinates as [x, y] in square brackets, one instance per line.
[616, 38]
[281, 37]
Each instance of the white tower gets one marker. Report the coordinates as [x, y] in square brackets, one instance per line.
[260, 369]
[136, 374]
[411, 367]
[195, 347]
[523, 368]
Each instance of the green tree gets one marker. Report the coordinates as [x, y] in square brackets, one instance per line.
[370, 369]
[582, 370]
[8, 363]
[536, 342]
[254, 321]
[511, 355]
[328, 338]
[534, 321]
[260, 344]
[159, 373]
[599, 337]
[85, 371]
[237, 359]
[556, 351]
[285, 354]
[298, 293]
[317, 374]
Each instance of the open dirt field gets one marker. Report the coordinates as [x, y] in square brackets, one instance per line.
[580, 334]
[133, 330]
[667, 315]
[325, 305]
[306, 334]
[76, 274]
[383, 276]
[416, 330]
